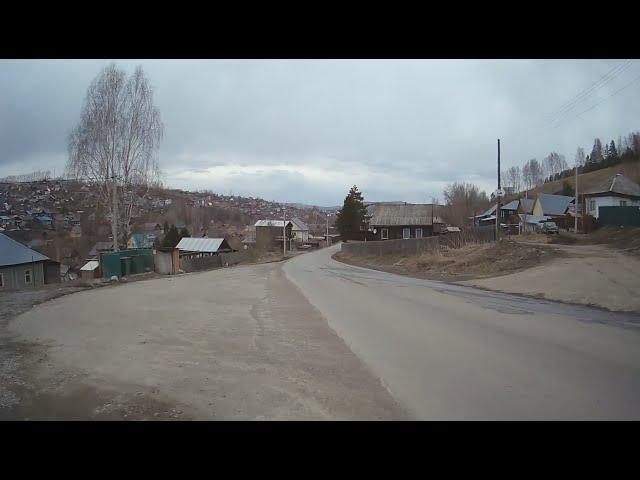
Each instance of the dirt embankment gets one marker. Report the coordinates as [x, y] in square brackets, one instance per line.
[625, 239]
[471, 262]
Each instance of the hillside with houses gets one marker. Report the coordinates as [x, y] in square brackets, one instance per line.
[64, 219]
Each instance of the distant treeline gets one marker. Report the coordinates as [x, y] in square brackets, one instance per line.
[554, 166]
[28, 177]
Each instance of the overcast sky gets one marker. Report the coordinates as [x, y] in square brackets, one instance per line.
[305, 131]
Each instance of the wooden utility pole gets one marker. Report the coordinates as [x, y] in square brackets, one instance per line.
[576, 202]
[498, 198]
[284, 231]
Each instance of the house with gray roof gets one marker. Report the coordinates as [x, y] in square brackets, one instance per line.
[20, 267]
[299, 230]
[389, 221]
[616, 191]
[269, 233]
[551, 205]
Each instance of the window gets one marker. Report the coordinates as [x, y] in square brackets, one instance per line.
[406, 233]
[623, 203]
[1, 281]
[418, 233]
[385, 234]
[592, 205]
[27, 277]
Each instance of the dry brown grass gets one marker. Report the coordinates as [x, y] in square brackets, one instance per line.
[473, 261]
[620, 238]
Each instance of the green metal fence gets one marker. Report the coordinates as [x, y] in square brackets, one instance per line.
[617, 216]
[126, 262]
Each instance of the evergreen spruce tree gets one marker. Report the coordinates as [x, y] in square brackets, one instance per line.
[171, 238]
[184, 233]
[596, 152]
[612, 157]
[351, 218]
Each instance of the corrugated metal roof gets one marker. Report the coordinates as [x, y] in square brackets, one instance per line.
[512, 205]
[399, 215]
[271, 223]
[299, 224]
[554, 204]
[100, 246]
[90, 266]
[211, 245]
[527, 204]
[616, 184]
[14, 253]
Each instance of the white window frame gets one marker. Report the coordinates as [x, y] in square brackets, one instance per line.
[405, 230]
[30, 273]
[384, 233]
[592, 205]
[419, 230]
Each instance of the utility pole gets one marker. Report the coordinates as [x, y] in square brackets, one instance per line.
[498, 198]
[328, 229]
[576, 203]
[284, 231]
[114, 215]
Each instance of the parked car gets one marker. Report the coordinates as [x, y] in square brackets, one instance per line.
[550, 228]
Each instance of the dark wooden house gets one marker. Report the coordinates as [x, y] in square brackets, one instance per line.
[391, 221]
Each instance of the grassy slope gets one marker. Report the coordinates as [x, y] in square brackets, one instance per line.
[587, 180]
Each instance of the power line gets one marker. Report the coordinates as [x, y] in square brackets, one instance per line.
[606, 98]
[574, 103]
[606, 77]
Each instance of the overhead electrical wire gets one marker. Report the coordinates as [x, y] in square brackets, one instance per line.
[606, 98]
[558, 114]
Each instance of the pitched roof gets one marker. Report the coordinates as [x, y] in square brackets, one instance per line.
[399, 215]
[299, 224]
[100, 246]
[616, 184]
[206, 245]
[554, 204]
[90, 266]
[512, 205]
[14, 253]
[271, 223]
[489, 211]
[527, 204]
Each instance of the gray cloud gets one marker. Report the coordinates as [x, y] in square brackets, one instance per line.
[308, 130]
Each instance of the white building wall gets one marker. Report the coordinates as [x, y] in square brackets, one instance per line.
[301, 234]
[594, 203]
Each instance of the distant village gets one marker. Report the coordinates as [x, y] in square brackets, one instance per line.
[55, 230]
[63, 219]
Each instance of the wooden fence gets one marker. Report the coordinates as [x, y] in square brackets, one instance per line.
[214, 261]
[418, 246]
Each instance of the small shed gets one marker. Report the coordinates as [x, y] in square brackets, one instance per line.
[90, 270]
[202, 247]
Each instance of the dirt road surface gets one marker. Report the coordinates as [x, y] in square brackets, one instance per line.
[587, 274]
[237, 343]
[313, 338]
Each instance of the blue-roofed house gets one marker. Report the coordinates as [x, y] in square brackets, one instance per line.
[45, 220]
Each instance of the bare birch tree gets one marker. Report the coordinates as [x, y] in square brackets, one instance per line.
[463, 200]
[115, 145]
[513, 178]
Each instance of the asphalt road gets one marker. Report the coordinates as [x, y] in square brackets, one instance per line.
[457, 353]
